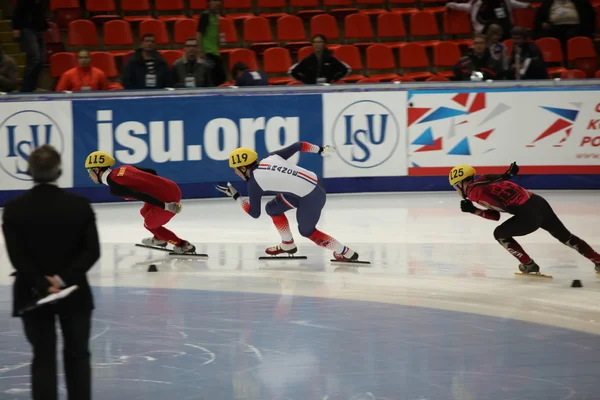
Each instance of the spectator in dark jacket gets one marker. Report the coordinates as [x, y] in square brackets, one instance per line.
[146, 69]
[28, 24]
[191, 70]
[565, 19]
[8, 73]
[526, 61]
[321, 66]
[479, 59]
[245, 77]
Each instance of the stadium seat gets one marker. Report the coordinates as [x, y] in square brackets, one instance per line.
[197, 5]
[403, 79]
[380, 62]
[391, 30]
[227, 26]
[295, 82]
[61, 63]
[106, 62]
[581, 55]
[573, 74]
[413, 57]
[423, 25]
[597, 74]
[457, 27]
[325, 24]
[170, 6]
[368, 80]
[524, 17]
[246, 56]
[136, 10]
[102, 11]
[445, 56]
[437, 78]
[65, 11]
[304, 52]
[238, 9]
[371, 7]
[290, 30]
[306, 8]
[272, 8]
[117, 33]
[358, 30]
[184, 29]
[277, 60]
[351, 56]
[508, 43]
[333, 7]
[403, 6]
[552, 52]
[53, 42]
[82, 33]
[157, 28]
[171, 56]
[257, 33]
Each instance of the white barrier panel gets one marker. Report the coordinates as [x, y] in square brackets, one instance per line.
[27, 125]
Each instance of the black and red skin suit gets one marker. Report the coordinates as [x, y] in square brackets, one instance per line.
[143, 184]
[530, 212]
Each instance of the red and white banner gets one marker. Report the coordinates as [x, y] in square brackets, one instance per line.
[545, 132]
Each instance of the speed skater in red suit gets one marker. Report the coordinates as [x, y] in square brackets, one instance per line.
[161, 197]
[530, 212]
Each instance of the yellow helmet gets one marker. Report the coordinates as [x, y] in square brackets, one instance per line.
[99, 159]
[242, 157]
[460, 173]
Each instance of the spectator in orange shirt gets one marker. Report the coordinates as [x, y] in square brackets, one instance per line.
[83, 77]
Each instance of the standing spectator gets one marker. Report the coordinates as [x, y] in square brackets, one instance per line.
[42, 268]
[245, 77]
[28, 24]
[210, 39]
[191, 71]
[526, 61]
[83, 77]
[487, 12]
[497, 48]
[146, 69]
[321, 66]
[479, 59]
[565, 19]
[8, 72]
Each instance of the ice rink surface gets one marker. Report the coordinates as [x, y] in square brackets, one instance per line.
[439, 314]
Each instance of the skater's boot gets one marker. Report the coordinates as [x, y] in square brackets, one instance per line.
[288, 248]
[598, 268]
[152, 241]
[184, 247]
[529, 268]
[346, 255]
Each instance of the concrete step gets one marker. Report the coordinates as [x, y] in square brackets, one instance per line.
[19, 58]
[5, 26]
[11, 48]
[6, 37]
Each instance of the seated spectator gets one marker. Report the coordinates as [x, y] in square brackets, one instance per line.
[8, 73]
[487, 12]
[526, 61]
[146, 69]
[321, 66]
[565, 19]
[245, 77]
[497, 48]
[83, 77]
[479, 59]
[191, 70]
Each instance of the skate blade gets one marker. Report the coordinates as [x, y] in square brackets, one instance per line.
[349, 262]
[284, 257]
[152, 247]
[534, 274]
[188, 255]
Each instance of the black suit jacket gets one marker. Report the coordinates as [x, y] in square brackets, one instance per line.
[49, 231]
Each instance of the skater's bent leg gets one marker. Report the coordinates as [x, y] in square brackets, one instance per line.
[283, 227]
[155, 220]
[515, 226]
[276, 209]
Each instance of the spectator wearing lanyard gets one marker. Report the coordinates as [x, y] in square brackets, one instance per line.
[191, 71]
[83, 77]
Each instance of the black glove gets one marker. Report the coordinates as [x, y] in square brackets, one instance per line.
[512, 171]
[467, 206]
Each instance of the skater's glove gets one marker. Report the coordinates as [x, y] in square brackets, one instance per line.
[467, 206]
[513, 170]
[229, 191]
[326, 150]
[175, 208]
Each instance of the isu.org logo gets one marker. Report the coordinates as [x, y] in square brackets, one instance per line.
[22, 132]
[366, 134]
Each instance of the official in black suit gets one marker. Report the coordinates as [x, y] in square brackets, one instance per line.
[52, 241]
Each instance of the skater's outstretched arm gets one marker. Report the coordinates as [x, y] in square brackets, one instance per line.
[252, 204]
[468, 207]
[493, 178]
[303, 147]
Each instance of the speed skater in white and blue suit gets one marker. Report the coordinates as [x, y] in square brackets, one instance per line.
[293, 187]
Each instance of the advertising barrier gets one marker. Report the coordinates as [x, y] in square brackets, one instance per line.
[386, 140]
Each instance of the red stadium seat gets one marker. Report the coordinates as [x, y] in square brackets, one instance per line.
[391, 30]
[82, 33]
[351, 56]
[157, 28]
[136, 10]
[184, 29]
[61, 63]
[413, 57]
[277, 60]
[380, 62]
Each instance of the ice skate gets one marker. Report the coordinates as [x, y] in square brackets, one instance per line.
[282, 251]
[184, 247]
[531, 269]
[598, 268]
[348, 256]
[154, 242]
